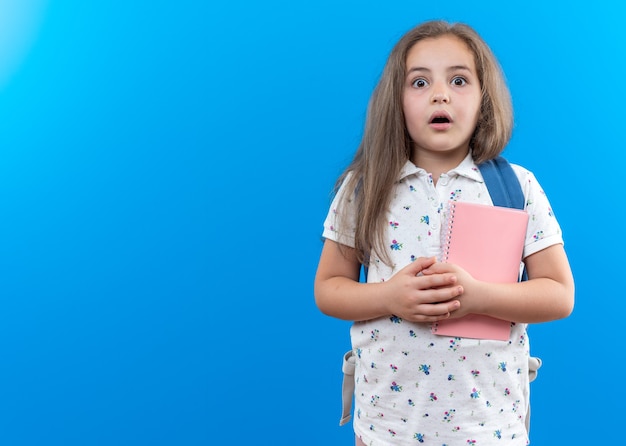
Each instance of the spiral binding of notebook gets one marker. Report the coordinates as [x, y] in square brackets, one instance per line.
[446, 234]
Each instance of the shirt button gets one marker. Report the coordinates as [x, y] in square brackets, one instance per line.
[444, 180]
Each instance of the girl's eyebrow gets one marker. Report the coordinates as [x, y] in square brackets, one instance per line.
[452, 68]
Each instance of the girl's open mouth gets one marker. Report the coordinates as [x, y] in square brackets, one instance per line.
[440, 120]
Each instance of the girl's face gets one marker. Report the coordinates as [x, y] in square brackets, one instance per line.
[441, 99]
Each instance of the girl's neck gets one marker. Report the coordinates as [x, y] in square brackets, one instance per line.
[436, 163]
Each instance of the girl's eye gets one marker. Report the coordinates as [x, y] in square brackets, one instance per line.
[459, 81]
[420, 83]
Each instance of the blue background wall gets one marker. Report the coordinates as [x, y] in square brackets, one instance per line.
[165, 168]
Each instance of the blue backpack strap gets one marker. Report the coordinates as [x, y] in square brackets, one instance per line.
[504, 187]
[502, 183]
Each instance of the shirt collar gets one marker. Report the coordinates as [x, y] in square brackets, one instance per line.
[467, 168]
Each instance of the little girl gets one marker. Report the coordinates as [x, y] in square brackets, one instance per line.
[440, 108]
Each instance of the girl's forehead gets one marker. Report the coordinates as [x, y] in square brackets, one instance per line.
[442, 51]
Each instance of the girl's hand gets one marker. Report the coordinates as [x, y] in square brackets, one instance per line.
[413, 295]
[464, 280]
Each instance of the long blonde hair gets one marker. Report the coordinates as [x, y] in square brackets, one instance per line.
[386, 144]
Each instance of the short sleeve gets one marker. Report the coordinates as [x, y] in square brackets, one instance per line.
[339, 225]
[543, 228]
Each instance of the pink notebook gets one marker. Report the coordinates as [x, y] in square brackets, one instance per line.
[487, 241]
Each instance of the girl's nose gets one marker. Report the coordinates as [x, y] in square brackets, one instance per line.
[440, 97]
